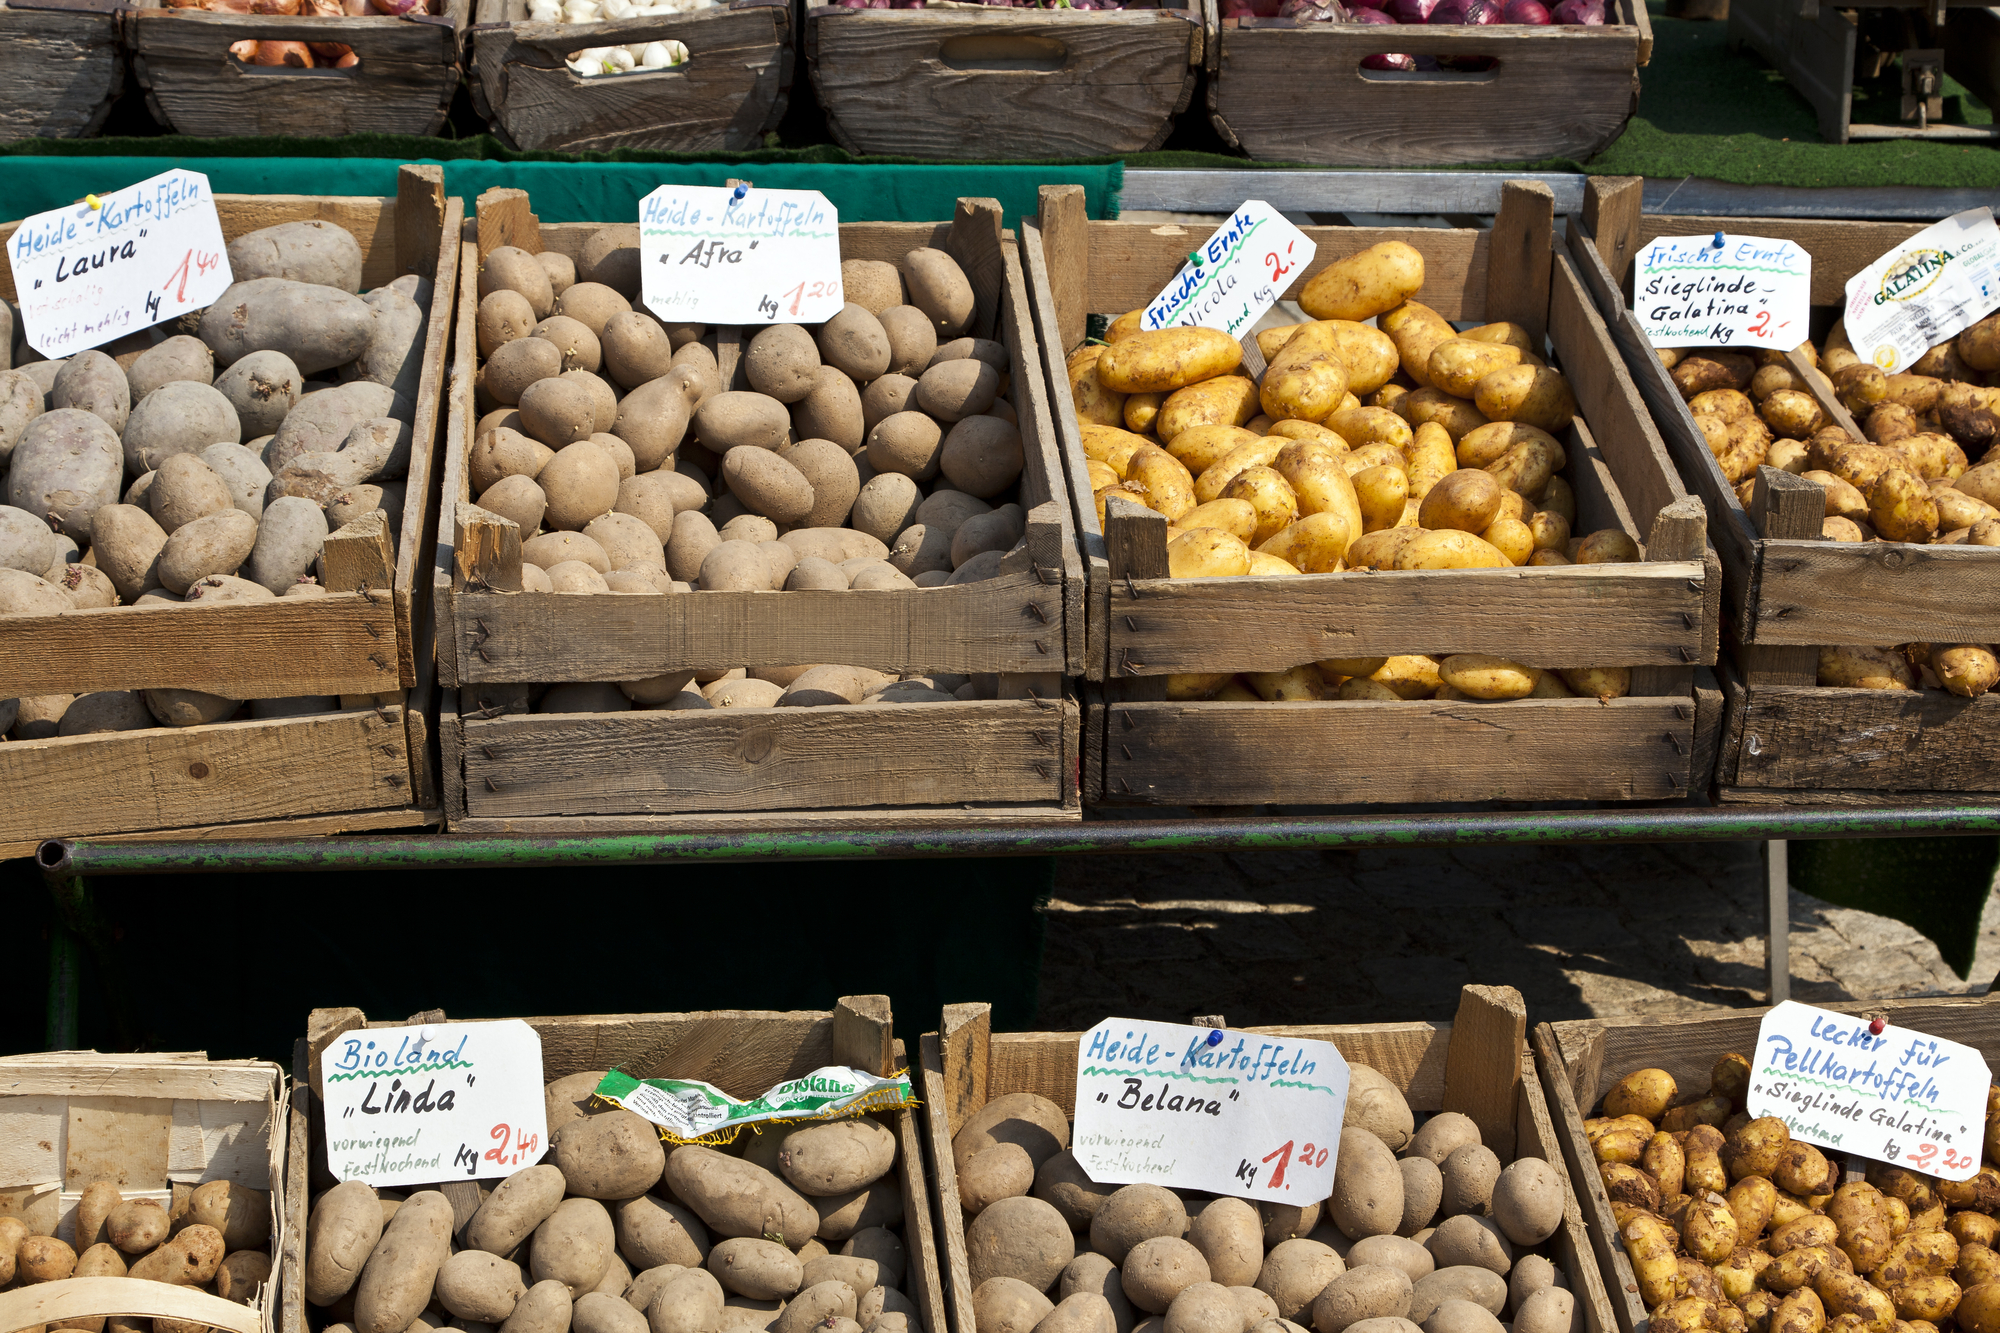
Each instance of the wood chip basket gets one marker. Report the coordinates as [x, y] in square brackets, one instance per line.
[155, 1126]
[1013, 758]
[1478, 1065]
[1655, 616]
[1785, 739]
[370, 637]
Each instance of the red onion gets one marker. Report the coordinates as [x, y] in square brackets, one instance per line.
[1526, 11]
[1448, 12]
[1389, 62]
[1411, 11]
[1312, 11]
[1587, 12]
[1369, 16]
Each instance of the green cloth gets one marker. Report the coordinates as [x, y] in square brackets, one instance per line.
[564, 188]
[1936, 885]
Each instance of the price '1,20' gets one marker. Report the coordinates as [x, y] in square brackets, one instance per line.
[1308, 1155]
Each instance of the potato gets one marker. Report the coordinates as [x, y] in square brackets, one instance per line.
[1205, 1307]
[1527, 1200]
[1082, 1312]
[581, 482]
[938, 287]
[760, 1269]
[1465, 500]
[1645, 1093]
[1010, 1305]
[67, 465]
[688, 1301]
[1535, 395]
[909, 443]
[310, 251]
[1369, 1291]
[1020, 1237]
[1901, 508]
[473, 1284]
[1224, 401]
[1136, 1213]
[912, 339]
[1163, 360]
[1361, 286]
[1158, 1270]
[822, 1160]
[92, 382]
[982, 456]
[610, 1155]
[738, 1198]
[1609, 547]
[1367, 1195]
[1471, 1171]
[953, 390]
[1470, 1241]
[1307, 380]
[1416, 329]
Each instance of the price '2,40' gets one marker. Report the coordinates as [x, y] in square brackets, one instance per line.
[523, 1147]
[1308, 1155]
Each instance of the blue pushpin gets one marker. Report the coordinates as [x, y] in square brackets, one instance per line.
[1718, 240]
[743, 188]
[1215, 1036]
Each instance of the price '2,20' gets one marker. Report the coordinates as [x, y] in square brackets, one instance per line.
[1308, 1155]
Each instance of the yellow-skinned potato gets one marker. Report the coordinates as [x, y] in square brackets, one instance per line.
[1652, 1256]
[1101, 474]
[1315, 544]
[1560, 499]
[1702, 1147]
[1458, 365]
[1270, 497]
[1379, 550]
[1550, 531]
[1125, 325]
[1272, 341]
[1141, 411]
[1358, 689]
[1790, 412]
[1798, 1269]
[1511, 538]
[1363, 426]
[1298, 685]
[1730, 1077]
[1409, 676]
[1320, 480]
[1967, 670]
[1310, 431]
[1094, 402]
[1350, 666]
[1374, 455]
[1932, 1299]
[1196, 686]
[1916, 1254]
[1387, 396]
[1383, 492]
[1729, 404]
[1226, 400]
[1537, 395]
[1161, 478]
[1607, 547]
[1800, 1312]
[1661, 1158]
[1502, 331]
[1970, 1230]
[1901, 508]
[1456, 415]
[1492, 442]
[1307, 380]
[1162, 360]
[1450, 549]
[1786, 456]
[1415, 328]
[1258, 425]
[1753, 1199]
[1685, 1314]
[1082, 359]
[1123, 492]
[1526, 468]
[1858, 1210]
[1257, 451]
[1976, 1263]
[1111, 444]
[1865, 668]
[1623, 1139]
[1842, 499]
[1203, 447]
[1758, 1307]
[1207, 553]
[1934, 457]
[1541, 557]
[1738, 1273]
[1236, 692]
[1645, 1093]
[1370, 355]
[1363, 286]
[1236, 517]
[1708, 1231]
[1958, 510]
[1430, 456]
[1263, 562]
[1600, 683]
[1466, 500]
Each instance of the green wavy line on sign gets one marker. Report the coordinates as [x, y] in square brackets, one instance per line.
[413, 1069]
[1158, 1073]
[1309, 1087]
[1774, 1072]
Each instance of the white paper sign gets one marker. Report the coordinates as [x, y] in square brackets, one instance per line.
[714, 255]
[1209, 1109]
[1723, 290]
[1236, 275]
[86, 276]
[1932, 287]
[444, 1101]
[1897, 1096]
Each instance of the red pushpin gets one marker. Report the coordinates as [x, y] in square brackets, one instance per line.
[1875, 1026]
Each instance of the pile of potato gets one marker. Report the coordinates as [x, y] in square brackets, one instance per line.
[1425, 1230]
[1734, 1227]
[821, 686]
[141, 476]
[1394, 445]
[617, 1232]
[875, 451]
[216, 1237]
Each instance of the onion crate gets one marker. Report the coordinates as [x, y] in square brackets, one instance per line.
[368, 640]
[745, 1053]
[1478, 1065]
[1010, 758]
[1552, 91]
[61, 68]
[406, 72]
[1581, 1059]
[972, 83]
[157, 1127]
[1654, 616]
[732, 89]
[1786, 591]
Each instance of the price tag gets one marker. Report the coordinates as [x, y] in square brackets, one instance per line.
[712, 255]
[1723, 290]
[1932, 287]
[96, 271]
[1897, 1095]
[1209, 1109]
[1236, 276]
[415, 1105]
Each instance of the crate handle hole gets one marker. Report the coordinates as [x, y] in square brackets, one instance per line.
[326, 58]
[1004, 52]
[1454, 69]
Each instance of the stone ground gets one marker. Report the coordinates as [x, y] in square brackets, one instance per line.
[1370, 936]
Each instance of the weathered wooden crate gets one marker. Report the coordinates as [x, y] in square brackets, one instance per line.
[1012, 758]
[969, 83]
[1655, 616]
[1786, 591]
[1478, 1065]
[408, 71]
[732, 90]
[60, 69]
[1555, 91]
[1582, 1058]
[744, 1052]
[372, 636]
[155, 1126]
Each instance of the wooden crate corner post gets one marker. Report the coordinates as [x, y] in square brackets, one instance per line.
[1482, 1071]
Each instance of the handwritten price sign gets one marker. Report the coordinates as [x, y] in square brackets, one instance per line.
[1894, 1095]
[1723, 290]
[739, 256]
[88, 275]
[415, 1105]
[1236, 275]
[1209, 1109]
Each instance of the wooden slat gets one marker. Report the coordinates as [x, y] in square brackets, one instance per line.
[291, 1266]
[1065, 231]
[1482, 1069]
[1538, 749]
[1887, 740]
[1536, 1135]
[312, 826]
[1815, 592]
[1587, 1186]
[115, 1078]
[1517, 268]
[939, 1093]
[922, 1280]
[723, 822]
[1611, 207]
[59, 74]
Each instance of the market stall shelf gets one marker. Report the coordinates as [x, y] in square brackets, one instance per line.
[1655, 614]
[61, 68]
[965, 82]
[731, 90]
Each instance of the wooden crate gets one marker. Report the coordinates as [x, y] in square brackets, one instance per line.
[1013, 758]
[1786, 591]
[1555, 92]
[155, 1126]
[1478, 1065]
[969, 83]
[404, 83]
[372, 636]
[732, 90]
[1655, 616]
[60, 69]
[744, 1052]
[1581, 1059]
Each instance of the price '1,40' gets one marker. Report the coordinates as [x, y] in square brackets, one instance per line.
[1308, 1155]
